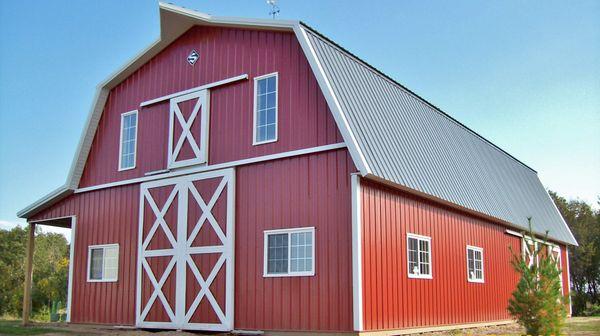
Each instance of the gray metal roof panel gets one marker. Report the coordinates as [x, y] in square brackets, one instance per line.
[408, 141]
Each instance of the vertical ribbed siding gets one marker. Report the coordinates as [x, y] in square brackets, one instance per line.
[103, 217]
[394, 301]
[305, 191]
[310, 190]
[407, 141]
[303, 116]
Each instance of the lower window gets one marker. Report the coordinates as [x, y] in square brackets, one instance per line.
[289, 252]
[103, 263]
[474, 264]
[419, 256]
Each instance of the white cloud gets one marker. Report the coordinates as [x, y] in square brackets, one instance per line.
[7, 225]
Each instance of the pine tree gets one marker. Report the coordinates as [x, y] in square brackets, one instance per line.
[537, 303]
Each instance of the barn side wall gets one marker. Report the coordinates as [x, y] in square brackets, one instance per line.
[391, 300]
[303, 191]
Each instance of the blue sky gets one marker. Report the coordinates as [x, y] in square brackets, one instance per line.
[524, 74]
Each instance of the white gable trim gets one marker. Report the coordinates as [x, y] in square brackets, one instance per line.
[332, 101]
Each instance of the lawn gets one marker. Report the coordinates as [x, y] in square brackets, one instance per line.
[11, 327]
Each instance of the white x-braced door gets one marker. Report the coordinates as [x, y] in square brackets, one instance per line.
[186, 252]
[188, 129]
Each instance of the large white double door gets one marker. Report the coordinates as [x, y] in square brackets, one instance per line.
[185, 262]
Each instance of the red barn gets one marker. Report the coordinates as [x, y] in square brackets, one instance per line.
[245, 174]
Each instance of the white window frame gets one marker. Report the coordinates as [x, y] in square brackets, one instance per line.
[289, 273]
[478, 249]
[89, 262]
[255, 117]
[123, 115]
[419, 238]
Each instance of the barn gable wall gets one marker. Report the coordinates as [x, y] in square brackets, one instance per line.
[304, 118]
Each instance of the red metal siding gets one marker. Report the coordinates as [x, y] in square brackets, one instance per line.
[304, 118]
[103, 217]
[310, 190]
[391, 300]
[304, 191]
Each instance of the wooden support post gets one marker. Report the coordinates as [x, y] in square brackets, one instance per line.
[28, 274]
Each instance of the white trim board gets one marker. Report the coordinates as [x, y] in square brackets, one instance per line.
[332, 102]
[71, 265]
[195, 89]
[357, 289]
[198, 169]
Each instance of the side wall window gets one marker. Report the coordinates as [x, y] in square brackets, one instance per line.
[103, 263]
[265, 109]
[419, 256]
[128, 141]
[474, 264]
[289, 252]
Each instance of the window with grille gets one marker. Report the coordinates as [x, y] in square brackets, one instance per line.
[474, 264]
[419, 256]
[127, 147]
[265, 109]
[289, 252]
[103, 263]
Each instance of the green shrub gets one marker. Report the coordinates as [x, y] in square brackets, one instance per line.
[537, 303]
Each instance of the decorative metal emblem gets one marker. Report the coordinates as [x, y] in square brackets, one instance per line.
[193, 57]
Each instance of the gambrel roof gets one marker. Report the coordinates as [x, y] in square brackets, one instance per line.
[393, 135]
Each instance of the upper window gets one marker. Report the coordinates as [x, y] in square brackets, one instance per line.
[265, 109]
[289, 252]
[103, 263]
[474, 264]
[419, 256]
[127, 148]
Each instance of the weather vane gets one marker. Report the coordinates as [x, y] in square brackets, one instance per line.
[274, 8]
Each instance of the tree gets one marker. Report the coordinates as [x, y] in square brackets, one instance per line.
[50, 269]
[537, 303]
[584, 222]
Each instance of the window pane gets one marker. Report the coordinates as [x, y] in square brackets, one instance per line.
[262, 117]
[271, 84]
[301, 260]
[260, 133]
[111, 261]
[270, 132]
[262, 102]
[96, 264]
[277, 254]
[271, 100]
[262, 86]
[270, 116]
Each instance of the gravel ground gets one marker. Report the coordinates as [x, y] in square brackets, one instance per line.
[579, 326]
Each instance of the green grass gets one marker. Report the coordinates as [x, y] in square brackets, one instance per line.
[14, 327]
[583, 326]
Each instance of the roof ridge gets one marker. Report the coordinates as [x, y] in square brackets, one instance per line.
[402, 87]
